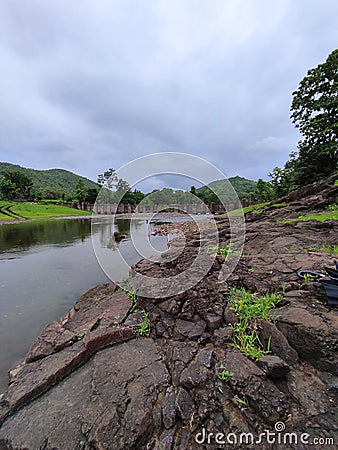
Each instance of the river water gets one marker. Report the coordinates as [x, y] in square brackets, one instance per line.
[45, 265]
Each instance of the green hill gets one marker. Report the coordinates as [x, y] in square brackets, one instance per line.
[49, 182]
[242, 186]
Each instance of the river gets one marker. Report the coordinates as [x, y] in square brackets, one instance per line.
[45, 265]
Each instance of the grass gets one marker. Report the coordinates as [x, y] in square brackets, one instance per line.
[320, 217]
[256, 209]
[223, 251]
[38, 211]
[144, 328]
[332, 249]
[225, 374]
[251, 309]
[27, 210]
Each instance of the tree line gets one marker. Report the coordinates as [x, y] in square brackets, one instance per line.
[314, 111]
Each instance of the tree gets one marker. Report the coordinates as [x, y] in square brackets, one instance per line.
[264, 191]
[8, 190]
[108, 178]
[314, 111]
[80, 191]
[15, 185]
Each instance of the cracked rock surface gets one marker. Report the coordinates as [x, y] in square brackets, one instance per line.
[89, 382]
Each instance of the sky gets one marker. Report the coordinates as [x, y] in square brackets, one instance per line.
[87, 85]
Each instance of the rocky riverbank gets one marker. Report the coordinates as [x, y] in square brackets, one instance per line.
[91, 381]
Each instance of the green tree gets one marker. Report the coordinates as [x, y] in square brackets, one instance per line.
[314, 111]
[264, 191]
[15, 185]
[108, 178]
[80, 191]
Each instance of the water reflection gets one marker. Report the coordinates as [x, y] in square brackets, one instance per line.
[23, 236]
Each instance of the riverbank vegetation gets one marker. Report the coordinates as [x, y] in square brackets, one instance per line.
[28, 210]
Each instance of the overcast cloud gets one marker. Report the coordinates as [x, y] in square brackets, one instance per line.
[88, 85]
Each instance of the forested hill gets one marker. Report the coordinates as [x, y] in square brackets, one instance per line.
[244, 187]
[58, 181]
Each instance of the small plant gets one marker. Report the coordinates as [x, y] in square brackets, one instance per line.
[225, 374]
[223, 251]
[252, 270]
[144, 328]
[311, 249]
[335, 183]
[242, 400]
[97, 300]
[80, 336]
[333, 249]
[117, 320]
[333, 207]
[251, 309]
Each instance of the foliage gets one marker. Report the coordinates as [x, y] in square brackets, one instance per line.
[244, 188]
[15, 185]
[144, 328]
[314, 111]
[264, 191]
[333, 249]
[61, 183]
[223, 251]
[250, 310]
[225, 374]
[80, 191]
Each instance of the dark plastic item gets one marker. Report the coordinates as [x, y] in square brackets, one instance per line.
[311, 273]
[333, 273]
[336, 263]
[331, 289]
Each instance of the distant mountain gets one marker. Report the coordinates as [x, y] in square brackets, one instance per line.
[242, 186]
[58, 181]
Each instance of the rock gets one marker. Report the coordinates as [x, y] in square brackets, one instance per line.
[102, 397]
[185, 329]
[185, 405]
[274, 367]
[278, 343]
[213, 321]
[80, 388]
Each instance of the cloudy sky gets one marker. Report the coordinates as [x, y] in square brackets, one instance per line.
[87, 85]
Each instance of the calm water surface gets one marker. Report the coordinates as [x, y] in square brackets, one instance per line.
[46, 265]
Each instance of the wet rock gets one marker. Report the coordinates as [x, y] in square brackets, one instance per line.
[274, 367]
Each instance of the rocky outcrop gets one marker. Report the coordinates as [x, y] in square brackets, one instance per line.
[91, 382]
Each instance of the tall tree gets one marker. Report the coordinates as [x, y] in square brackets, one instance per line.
[80, 191]
[314, 111]
[15, 185]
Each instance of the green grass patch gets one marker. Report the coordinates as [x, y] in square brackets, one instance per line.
[320, 217]
[335, 183]
[251, 309]
[38, 211]
[332, 249]
[256, 209]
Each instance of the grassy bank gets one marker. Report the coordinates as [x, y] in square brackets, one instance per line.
[26, 210]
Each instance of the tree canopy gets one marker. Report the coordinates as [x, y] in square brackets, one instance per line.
[314, 111]
[15, 185]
